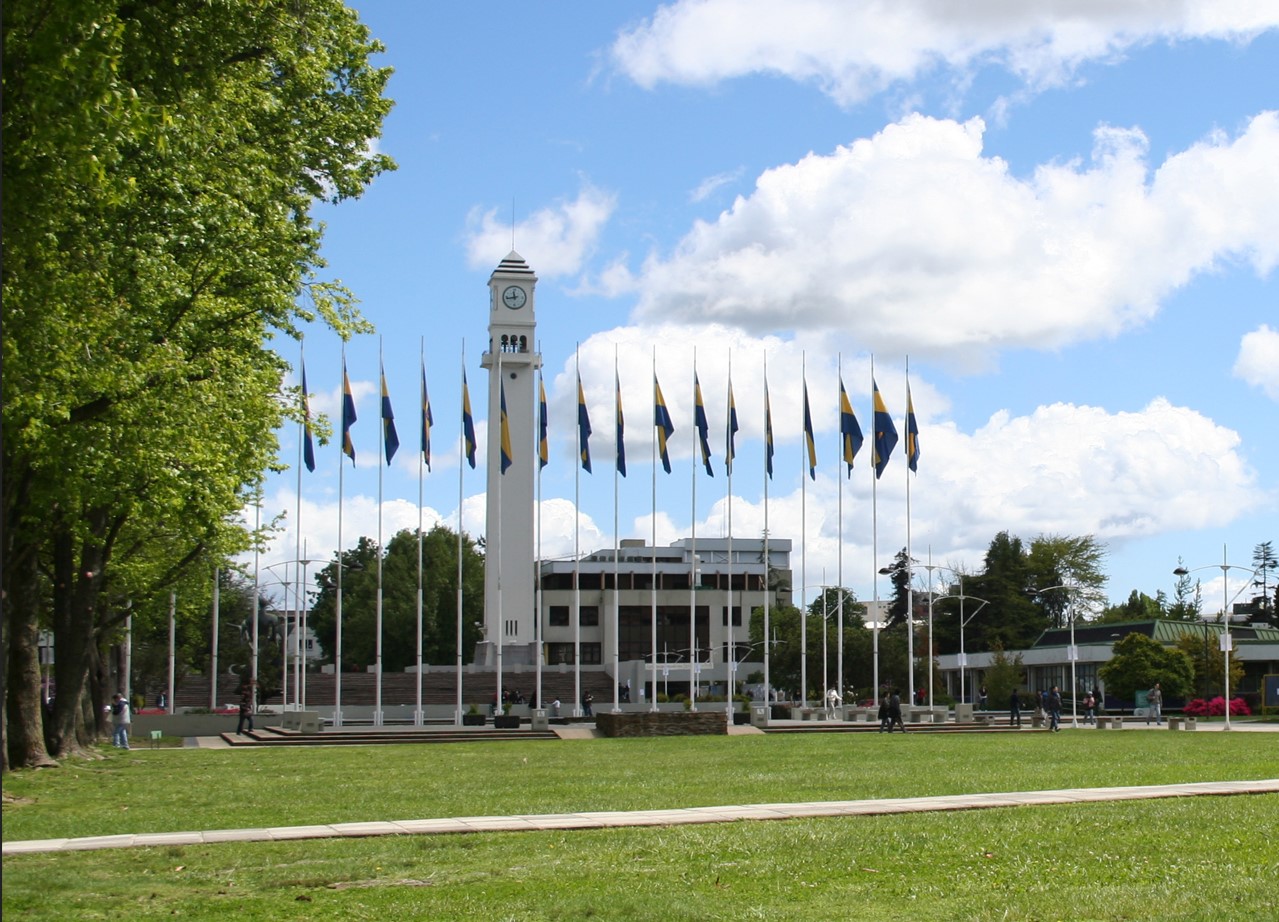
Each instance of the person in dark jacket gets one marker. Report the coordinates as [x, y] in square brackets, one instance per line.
[895, 712]
[1054, 709]
[1014, 709]
[246, 712]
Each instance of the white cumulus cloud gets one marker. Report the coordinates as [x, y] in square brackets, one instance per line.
[556, 239]
[1258, 361]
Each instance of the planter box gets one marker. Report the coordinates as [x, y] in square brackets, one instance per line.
[507, 721]
[473, 720]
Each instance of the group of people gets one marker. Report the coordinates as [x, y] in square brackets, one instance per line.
[890, 712]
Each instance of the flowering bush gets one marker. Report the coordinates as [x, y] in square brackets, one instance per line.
[1197, 707]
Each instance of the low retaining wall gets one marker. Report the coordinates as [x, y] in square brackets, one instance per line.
[680, 723]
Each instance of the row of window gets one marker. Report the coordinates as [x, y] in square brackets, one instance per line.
[589, 615]
[742, 582]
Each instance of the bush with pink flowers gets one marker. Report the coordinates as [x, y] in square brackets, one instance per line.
[1197, 707]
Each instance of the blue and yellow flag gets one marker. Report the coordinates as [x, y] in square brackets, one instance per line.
[662, 421]
[730, 448]
[390, 438]
[621, 428]
[885, 431]
[583, 428]
[703, 427]
[912, 433]
[348, 416]
[427, 421]
[768, 433]
[505, 429]
[809, 443]
[850, 433]
[543, 450]
[468, 423]
[308, 441]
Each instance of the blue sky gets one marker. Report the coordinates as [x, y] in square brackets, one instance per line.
[1067, 218]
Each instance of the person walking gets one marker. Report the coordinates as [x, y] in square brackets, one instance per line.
[587, 698]
[884, 723]
[895, 712]
[246, 712]
[121, 718]
[1054, 709]
[1155, 706]
[1014, 709]
[1090, 709]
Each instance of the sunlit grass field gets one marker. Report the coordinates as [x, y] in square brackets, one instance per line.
[1195, 858]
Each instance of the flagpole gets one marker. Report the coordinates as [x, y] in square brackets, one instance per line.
[297, 551]
[731, 648]
[577, 553]
[839, 557]
[652, 669]
[537, 584]
[377, 627]
[768, 590]
[620, 454]
[874, 530]
[337, 643]
[803, 543]
[213, 648]
[257, 604]
[461, 466]
[692, 562]
[910, 582]
[421, 458]
[499, 706]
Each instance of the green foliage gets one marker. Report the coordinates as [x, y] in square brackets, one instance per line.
[1004, 675]
[1208, 662]
[1140, 661]
[1139, 607]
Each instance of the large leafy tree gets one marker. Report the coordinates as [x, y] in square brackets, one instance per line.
[161, 162]
[399, 601]
[1140, 661]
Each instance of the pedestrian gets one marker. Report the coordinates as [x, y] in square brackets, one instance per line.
[884, 723]
[922, 696]
[1054, 710]
[1090, 709]
[1155, 706]
[121, 718]
[161, 701]
[1014, 709]
[895, 712]
[981, 698]
[587, 698]
[246, 712]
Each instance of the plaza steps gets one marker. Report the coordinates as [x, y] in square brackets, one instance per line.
[278, 736]
[822, 726]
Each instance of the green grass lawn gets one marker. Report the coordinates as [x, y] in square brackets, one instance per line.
[1199, 858]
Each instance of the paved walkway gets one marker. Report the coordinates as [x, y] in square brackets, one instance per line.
[647, 817]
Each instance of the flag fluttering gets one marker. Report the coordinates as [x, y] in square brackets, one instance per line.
[703, 427]
[543, 449]
[621, 428]
[505, 428]
[912, 433]
[308, 438]
[809, 442]
[583, 428]
[427, 421]
[885, 431]
[768, 433]
[662, 421]
[468, 423]
[730, 448]
[850, 433]
[348, 416]
[390, 438]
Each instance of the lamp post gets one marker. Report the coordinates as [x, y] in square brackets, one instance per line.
[1226, 642]
[963, 620]
[1072, 653]
[963, 656]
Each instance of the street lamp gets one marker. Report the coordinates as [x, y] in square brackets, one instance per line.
[963, 659]
[1226, 643]
[1072, 653]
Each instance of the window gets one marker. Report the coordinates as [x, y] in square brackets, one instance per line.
[590, 615]
[559, 617]
[737, 616]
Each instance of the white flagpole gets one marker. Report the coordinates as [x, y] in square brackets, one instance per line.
[537, 575]
[839, 557]
[257, 603]
[377, 627]
[499, 706]
[692, 561]
[213, 664]
[768, 592]
[337, 643]
[422, 405]
[652, 669]
[461, 466]
[730, 649]
[803, 547]
[617, 552]
[577, 553]
[910, 582]
[874, 531]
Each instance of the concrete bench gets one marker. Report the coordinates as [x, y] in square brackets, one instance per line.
[1182, 723]
[1110, 723]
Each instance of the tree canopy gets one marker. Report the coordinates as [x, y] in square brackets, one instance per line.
[161, 162]
[1140, 661]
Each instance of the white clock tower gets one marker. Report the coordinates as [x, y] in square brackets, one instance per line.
[509, 567]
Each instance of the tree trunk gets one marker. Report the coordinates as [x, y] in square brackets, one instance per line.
[23, 704]
[75, 594]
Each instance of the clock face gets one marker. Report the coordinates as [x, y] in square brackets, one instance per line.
[514, 297]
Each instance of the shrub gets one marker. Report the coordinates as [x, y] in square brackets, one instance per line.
[1197, 707]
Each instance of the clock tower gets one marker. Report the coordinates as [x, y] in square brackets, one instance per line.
[509, 564]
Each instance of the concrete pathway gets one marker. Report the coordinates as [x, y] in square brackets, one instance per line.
[605, 820]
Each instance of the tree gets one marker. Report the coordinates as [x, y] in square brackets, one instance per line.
[1140, 661]
[399, 601]
[1264, 563]
[1139, 607]
[161, 161]
[1004, 676]
[1208, 662]
[1187, 599]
